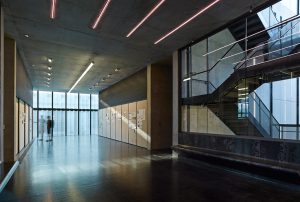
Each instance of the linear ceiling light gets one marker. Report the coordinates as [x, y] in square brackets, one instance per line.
[53, 9]
[145, 18]
[100, 15]
[84, 73]
[187, 21]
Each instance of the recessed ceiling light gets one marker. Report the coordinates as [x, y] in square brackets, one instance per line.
[48, 79]
[84, 73]
[145, 18]
[100, 14]
[50, 60]
[26, 35]
[117, 69]
[33, 65]
[187, 21]
[49, 74]
[109, 75]
[49, 68]
[53, 9]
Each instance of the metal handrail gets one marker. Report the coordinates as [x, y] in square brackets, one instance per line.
[244, 60]
[265, 43]
[222, 57]
[271, 117]
[292, 27]
[206, 82]
[259, 32]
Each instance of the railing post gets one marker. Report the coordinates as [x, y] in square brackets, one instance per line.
[259, 113]
[271, 129]
[280, 40]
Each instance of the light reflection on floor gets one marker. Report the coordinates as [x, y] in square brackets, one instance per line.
[84, 168]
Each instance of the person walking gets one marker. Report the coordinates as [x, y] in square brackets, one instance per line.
[41, 128]
[49, 128]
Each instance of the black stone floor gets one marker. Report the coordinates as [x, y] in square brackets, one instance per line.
[97, 169]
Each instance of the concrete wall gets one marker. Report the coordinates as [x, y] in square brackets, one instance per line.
[24, 88]
[153, 84]
[16, 136]
[160, 99]
[9, 98]
[1, 81]
[202, 120]
[280, 153]
[175, 103]
[131, 89]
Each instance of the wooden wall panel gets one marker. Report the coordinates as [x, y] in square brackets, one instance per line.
[21, 125]
[107, 118]
[30, 124]
[16, 139]
[26, 124]
[142, 124]
[100, 122]
[118, 123]
[104, 125]
[132, 123]
[125, 123]
[113, 123]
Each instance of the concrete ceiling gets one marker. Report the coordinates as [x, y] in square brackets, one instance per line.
[73, 45]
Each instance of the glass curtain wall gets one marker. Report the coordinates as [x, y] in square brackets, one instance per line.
[59, 123]
[71, 113]
[84, 123]
[94, 122]
[214, 92]
[72, 123]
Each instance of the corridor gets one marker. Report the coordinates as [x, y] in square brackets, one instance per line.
[92, 168]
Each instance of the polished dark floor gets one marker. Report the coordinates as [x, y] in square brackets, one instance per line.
[97, 169]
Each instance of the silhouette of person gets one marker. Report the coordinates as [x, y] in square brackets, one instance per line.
[41, 127]
[49, 128]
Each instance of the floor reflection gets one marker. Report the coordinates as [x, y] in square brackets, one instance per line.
[92, 168]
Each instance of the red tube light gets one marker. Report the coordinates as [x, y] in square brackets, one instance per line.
[101, 13]
[187, 21]
[145, 18]
[53, 9]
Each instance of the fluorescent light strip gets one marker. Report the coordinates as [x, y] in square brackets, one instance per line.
[187, 79]
[84, 73]
[53, 9]
[145, 18]
[187, 21]
[100, 15]
[246, 88]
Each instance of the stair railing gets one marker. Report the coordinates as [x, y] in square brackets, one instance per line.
[282, 36]
[256, 49]
[263, 118]
[224, 55]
